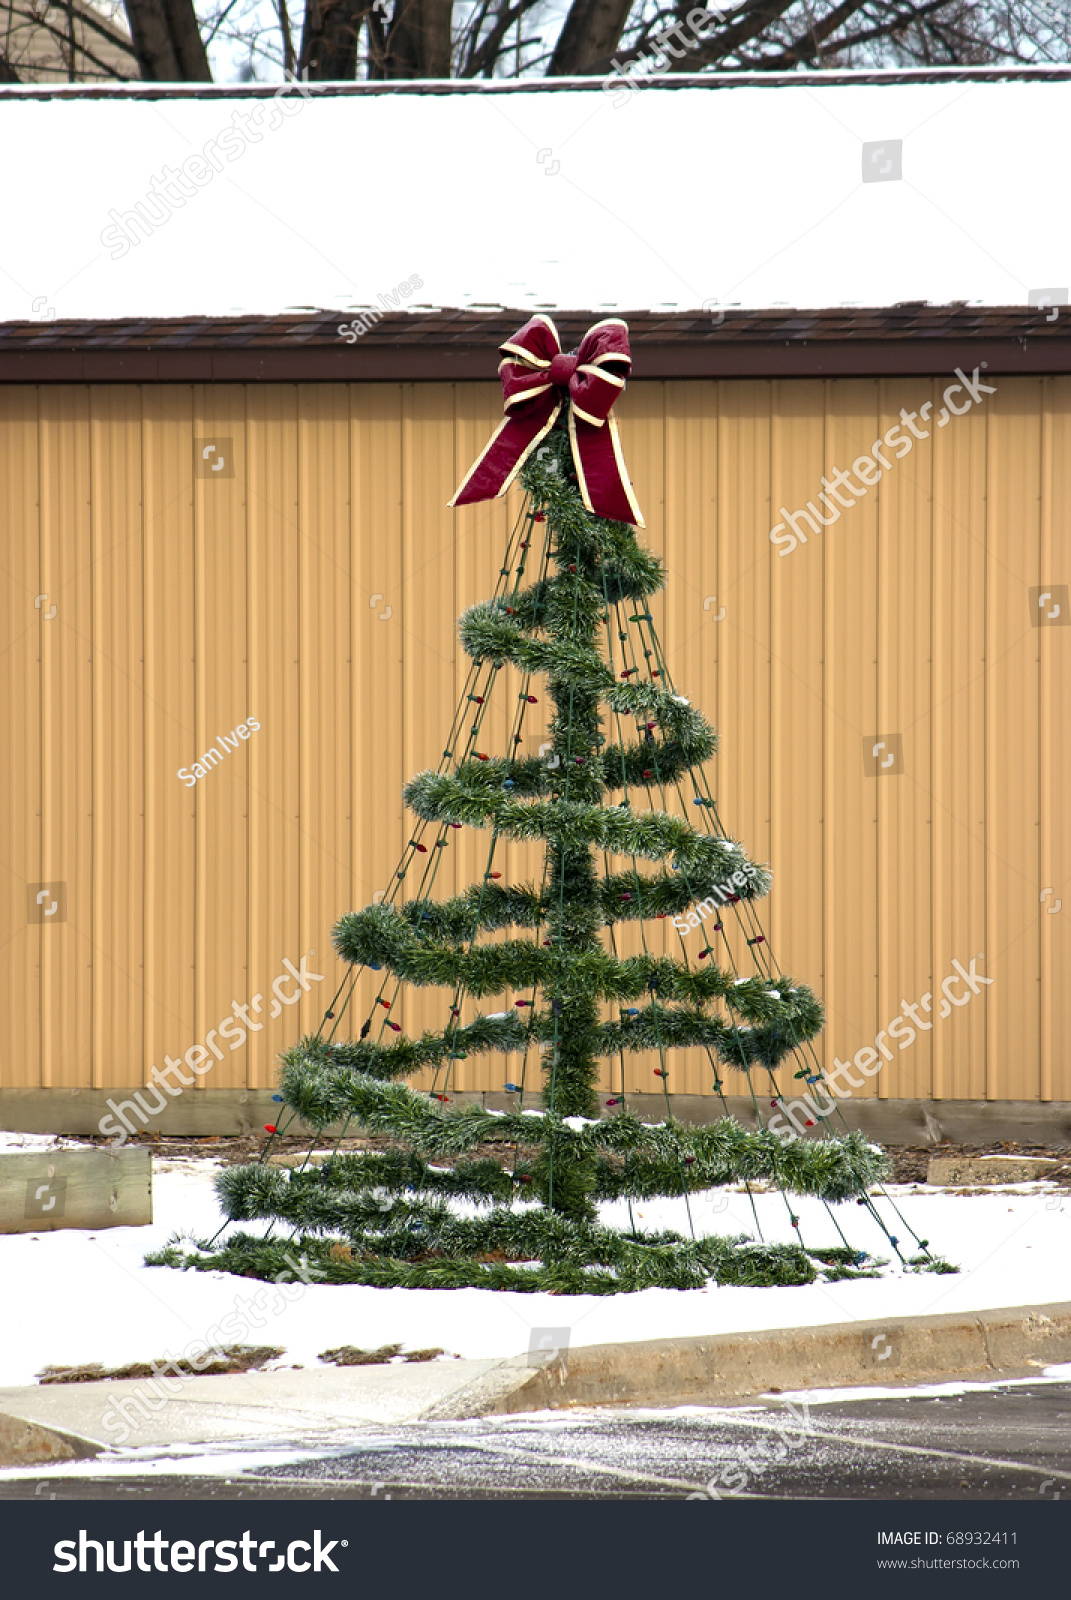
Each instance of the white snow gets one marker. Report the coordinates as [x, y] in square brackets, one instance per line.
[680, 198]
[73, 1297]
[1061, 1373]
[156, 1461]
[11, 1141]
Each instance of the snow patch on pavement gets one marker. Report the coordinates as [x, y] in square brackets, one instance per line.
[1060, 1373]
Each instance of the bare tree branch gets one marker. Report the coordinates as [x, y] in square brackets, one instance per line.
[813, 45]
[484, 57]
[399, 39]
[63, 38]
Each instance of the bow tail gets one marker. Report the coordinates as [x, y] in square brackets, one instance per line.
[505, 454]
[601, 471]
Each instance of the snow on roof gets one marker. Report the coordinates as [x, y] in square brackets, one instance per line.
[810, 194]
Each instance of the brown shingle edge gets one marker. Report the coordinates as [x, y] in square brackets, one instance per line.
[461, 346]
[878, 77]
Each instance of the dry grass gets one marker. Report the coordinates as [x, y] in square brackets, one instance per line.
[233, 1358]
[348, 1355]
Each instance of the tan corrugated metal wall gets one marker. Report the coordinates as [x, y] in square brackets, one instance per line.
[185, 605]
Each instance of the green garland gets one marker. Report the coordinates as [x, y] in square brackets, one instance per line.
[390, 1217]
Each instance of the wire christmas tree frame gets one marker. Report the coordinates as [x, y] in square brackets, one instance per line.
[439, 1211]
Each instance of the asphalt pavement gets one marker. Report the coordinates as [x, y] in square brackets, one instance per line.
[1007, 1442]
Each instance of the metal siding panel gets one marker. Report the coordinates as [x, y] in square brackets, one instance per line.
[67, 736]
[1013, 649]
[481, 539]
[849, 558]
[903, 707]
[738, 697]
[644, 425]
[957, 742]
[718, 531]
[271, 469]
[327, 646]
[1055, 704]
[429, 664]
[264, 609]
[797, 832]
[379, 644]
[118, 735]
[169, 731]
[222, 798]
[25, 634]
[691, 639]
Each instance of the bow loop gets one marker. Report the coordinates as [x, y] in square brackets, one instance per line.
[538, 380]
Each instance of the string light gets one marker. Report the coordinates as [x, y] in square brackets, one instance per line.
[483, 803]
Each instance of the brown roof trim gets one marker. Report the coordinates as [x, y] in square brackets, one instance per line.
[887, 77]
[461, 345]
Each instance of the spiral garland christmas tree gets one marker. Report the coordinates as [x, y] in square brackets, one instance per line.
[467, 1196]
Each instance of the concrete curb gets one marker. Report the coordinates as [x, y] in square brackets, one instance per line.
[331, 1407]
[309, 1407]
[666, 1372]
[25, 1444]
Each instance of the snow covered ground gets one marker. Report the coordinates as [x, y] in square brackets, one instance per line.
[73, 1297]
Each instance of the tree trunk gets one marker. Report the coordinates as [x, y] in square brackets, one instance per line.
[418, 42]
[330, 37]
[167, 41]
[591, 33]
[188, 44]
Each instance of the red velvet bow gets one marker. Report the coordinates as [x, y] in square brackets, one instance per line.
[537, 380]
